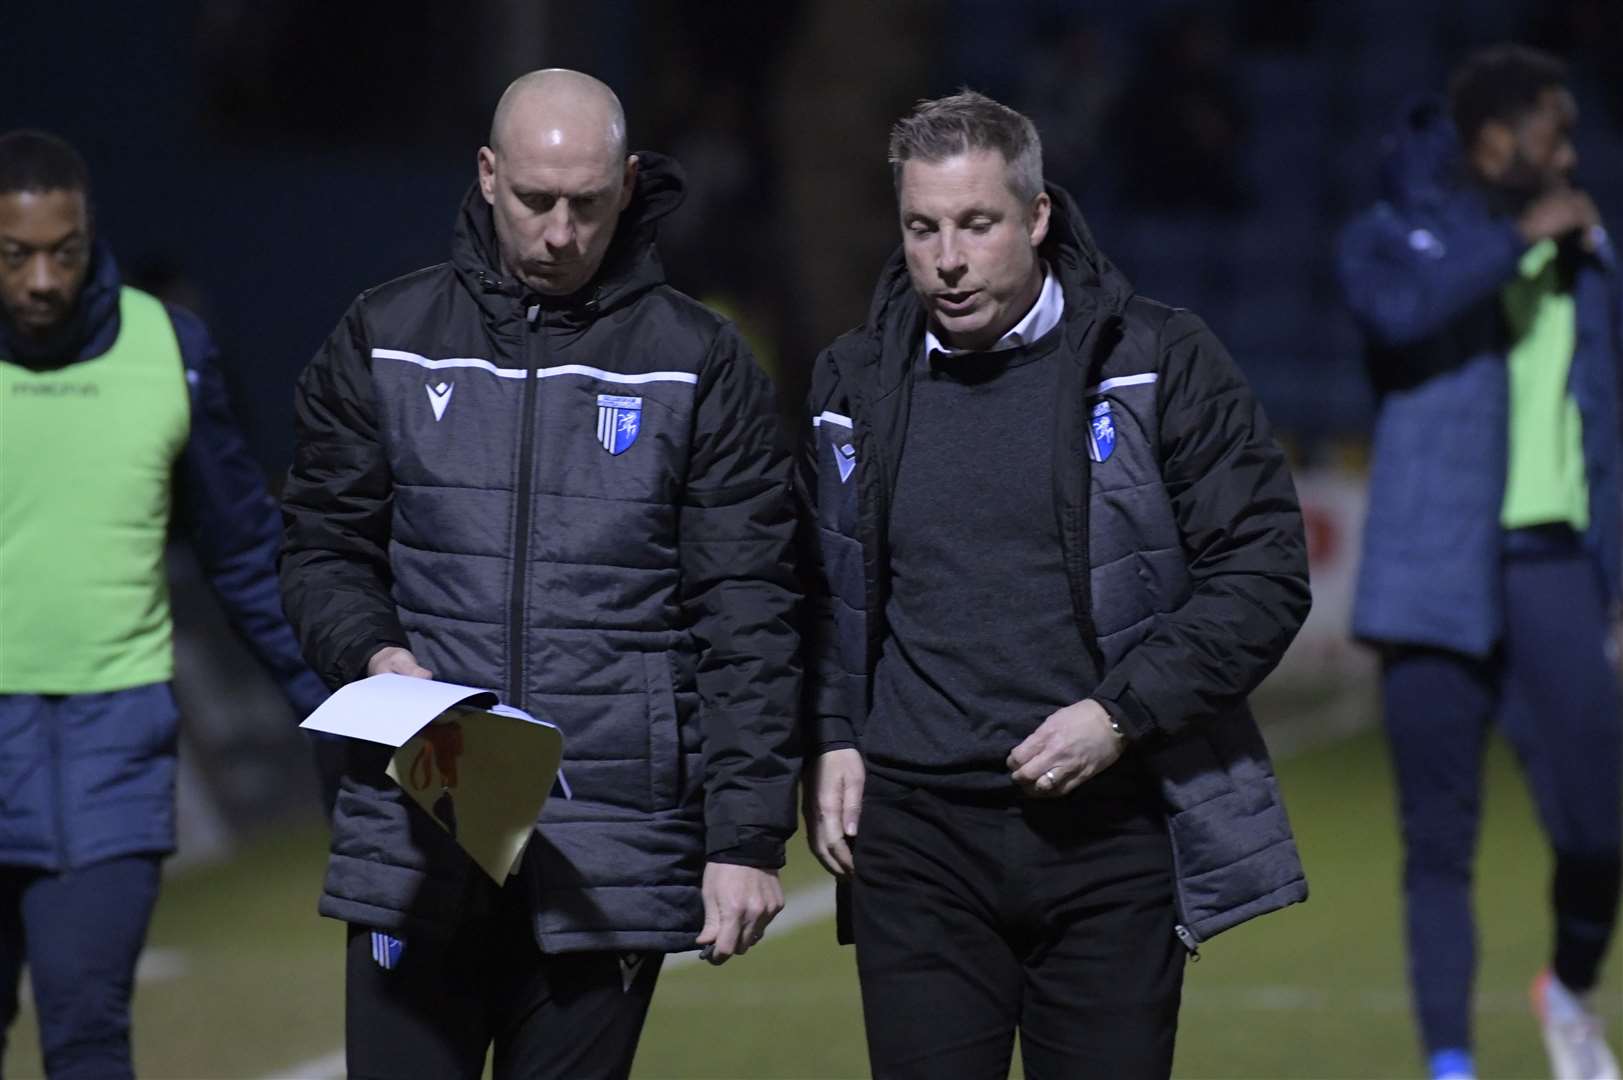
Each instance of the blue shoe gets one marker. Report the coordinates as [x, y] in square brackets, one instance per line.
[1452, 1064]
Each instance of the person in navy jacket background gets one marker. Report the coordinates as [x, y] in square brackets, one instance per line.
[1488, 292]
[114, 426]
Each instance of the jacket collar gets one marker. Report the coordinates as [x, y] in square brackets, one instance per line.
[1045, 314]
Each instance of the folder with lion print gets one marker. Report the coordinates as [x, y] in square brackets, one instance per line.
[481, 770]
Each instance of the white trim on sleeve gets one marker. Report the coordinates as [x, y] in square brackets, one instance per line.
[1119, 381]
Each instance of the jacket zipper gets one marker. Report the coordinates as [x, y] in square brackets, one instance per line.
[521, 519]
[1075, 523]
[873, 468]
[869, 452]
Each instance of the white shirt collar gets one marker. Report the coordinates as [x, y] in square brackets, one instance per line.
[1043, 317]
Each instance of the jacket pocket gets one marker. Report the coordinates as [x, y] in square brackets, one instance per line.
[664, 741]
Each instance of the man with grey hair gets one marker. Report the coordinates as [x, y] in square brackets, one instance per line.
[1056, 547]
[540, 469]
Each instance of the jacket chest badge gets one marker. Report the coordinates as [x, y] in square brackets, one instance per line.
[1425, 242]
[1101, 432]
[439, 397]
[845, 456]
[619, 419]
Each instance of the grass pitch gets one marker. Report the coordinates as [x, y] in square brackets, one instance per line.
[247, 980]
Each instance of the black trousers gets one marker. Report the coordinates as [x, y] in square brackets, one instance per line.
[977, 917]
[1555, 696]
[80, 933]
[445, 1002]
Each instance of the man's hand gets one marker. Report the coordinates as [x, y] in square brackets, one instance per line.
[833, 797]
[1558, 213]
[1069, 748]
[738, 903]
[392, 658]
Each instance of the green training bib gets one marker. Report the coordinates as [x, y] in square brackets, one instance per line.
[87, 456]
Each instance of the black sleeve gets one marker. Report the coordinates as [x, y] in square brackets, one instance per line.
[1241, 529]
[737, 523]
[335, 512]
[827, 725]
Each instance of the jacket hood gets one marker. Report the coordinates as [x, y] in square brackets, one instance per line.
[1094, 288]
[630, 268]
[90, 328]
[1083, 268]
[1421, 159]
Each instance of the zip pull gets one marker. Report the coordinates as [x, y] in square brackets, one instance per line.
[1189, 942]
[533, 314]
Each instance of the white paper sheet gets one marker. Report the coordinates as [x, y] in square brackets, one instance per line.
[390, 708]
[481, 774]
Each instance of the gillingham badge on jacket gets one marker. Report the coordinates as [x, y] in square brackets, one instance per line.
[1101, 432]
[618, 421]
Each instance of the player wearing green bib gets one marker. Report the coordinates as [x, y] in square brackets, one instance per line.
[113, 427]
[1492, 563]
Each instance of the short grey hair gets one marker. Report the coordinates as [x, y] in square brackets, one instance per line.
[965, 122]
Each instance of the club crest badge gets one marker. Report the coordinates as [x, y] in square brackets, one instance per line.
[619, 419]
[1101, 432]
[845, 456]
[387, 950]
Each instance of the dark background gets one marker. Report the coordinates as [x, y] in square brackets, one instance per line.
[265, 162]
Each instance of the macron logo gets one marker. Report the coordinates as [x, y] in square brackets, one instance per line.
[439, 397]
[630, 965]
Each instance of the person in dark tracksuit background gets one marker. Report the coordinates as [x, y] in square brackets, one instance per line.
[1055, 547]
[1491, 301]
[114, 425]
[538, 468]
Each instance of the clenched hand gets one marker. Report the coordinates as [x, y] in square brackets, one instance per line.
[1069, 748]
[392, 658]
[738, 903]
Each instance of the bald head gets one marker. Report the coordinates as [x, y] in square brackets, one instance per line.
[556, 176]
[555, 105]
